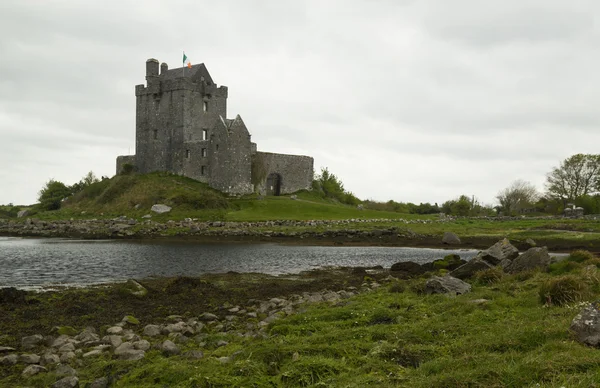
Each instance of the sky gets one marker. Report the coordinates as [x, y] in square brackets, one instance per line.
[410, 100]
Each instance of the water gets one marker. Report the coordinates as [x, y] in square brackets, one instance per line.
[33, 263]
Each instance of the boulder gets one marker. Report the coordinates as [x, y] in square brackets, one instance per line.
[67, 382]
[65, 370]
[160, 208]
[152, 330]
[23, 213]
[32, 370]
[114, 330]
[30, 358]
[531, 243]
[126, 351]
[467, 270]
[450, 238]
[49, 358]
[113, 340]
[141, 345]
[208, 317]
[135, 288]
[31, 341]
[446, 285]
[408, 268]
[169, 348]
[586, 325]
[6, 349]
[532, 258]
[502, 250]
[101, 382]
[11, 359]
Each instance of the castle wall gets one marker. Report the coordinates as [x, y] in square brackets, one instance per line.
[124, 159]
[296, 171]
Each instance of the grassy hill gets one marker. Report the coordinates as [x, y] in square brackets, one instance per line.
[134, 195]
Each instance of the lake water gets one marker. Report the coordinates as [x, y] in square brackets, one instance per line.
[34, 262]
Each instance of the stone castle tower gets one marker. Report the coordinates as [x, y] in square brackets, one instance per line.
[181, 127]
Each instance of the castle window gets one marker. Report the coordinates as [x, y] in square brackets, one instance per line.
[203, 170]
[187, 154]
[204, 152]
[205, 134]
[205, 106]
[155, 134]
[217, 147]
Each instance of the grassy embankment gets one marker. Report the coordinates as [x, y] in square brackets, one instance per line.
[502, 334]
[191, 199]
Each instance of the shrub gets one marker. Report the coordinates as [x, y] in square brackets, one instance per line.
[563, 290]
[127, 169]
[563, 267]
[52, 194]
[580, 256]
[397, 287]
[489, 276]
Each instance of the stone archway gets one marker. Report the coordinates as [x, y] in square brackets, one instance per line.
[274, 184]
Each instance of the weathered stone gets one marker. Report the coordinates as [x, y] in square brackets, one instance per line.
[67, 357]
[194, 354]
[65, 370]
[31, 341]
[67, 382]
[169, 348]
[11, 359]
[66, 330]
[115, 330]
[152, 330]
[131, 337]
[178, 338]
[32, 370]
[450, 238]
[101, 382]
[6, 349]
[408, 268]
[102, 347]
[112, 340]
[532, 258]
[49, 358]
[141, 345]
[68, 347]
[88, 335]
[29, 358]
[131, 320]
[446, 285]
[531, 243]
[60, 341]
[467, 270]
[208, 317]
[135, 288]
[502, 250]
[586, 325]
[127, 351]
[23, 213]
[160, 208]
[92, 353]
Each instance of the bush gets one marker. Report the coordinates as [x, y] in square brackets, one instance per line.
[563, 290]
[489, 276]
[580, 256]
[52, 194]
[563, 267]
[397, 287]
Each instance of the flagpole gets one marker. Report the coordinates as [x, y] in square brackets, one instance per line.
[183, 66]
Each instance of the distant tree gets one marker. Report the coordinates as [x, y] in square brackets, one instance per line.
[330, 186]
[519, 195]
[465, 206]
[52, 194]
[89, 179]
[576, 176]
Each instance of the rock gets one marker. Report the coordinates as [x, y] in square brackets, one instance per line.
[31, 341]
[160, 208]
[67, 382]
[49, 358]
[12, 295]
[6, 349]
[502, 250]
[115, 330]
[23, 213]
[169, 348]
[66, 330]
[60, 341]
[147, 216]
[208, 317]
[141, 345]
[126, 351]
[131, 320]
[194, 354]
[152, 330]
[178, 338]
[88, 335]
[11, 359]
[467, 270]
[586, 325]
[532, 258]
[222, 343]
[32, 370]
[450, 238]
[531, 243]
[67, 357]
[408, 268]
[446, 285]
[135, 288]
[29, 358]
[68, 347]
[65, 370]
[102, 382]
[92, 353]
[479, 301]
[112, 340]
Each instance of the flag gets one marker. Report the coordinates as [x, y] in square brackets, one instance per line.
[186, 61]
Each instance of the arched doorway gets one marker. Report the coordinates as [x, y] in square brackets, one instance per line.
[274, 184]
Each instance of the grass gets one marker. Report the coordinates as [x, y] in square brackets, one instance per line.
[392, 336]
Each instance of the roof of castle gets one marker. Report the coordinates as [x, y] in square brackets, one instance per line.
[196, 71]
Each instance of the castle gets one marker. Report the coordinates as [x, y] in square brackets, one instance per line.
[181, 126]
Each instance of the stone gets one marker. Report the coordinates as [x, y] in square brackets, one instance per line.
[147, 216]
[467, 270]
[115, 330]
[101, 382]
[67, 357]
[112, 340]
[135, 288]
[152, 330]
[408, 268]
[194, 354]
[60, 341]
[531, 243]
[160, 208]
[502, 250]
[131, 320]
[127, 351]
[178, 338]
[66, 330]
[49, 358]
[11, 359]
[12, 295]
[208, 317]
[92, 353]
[23, 213]
[532, 258]
[141, 345]
[450, 238]
[6, 349]
[88, 335]
[65, 370]
[67, 382]
[68, 347]
[169, 348]
[32, 370]
[131, 337]
[29, 358]
[31, 341]
[586, 325]
[446, 285]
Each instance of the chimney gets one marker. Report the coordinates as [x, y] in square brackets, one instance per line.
[163, 68]
[151, 67]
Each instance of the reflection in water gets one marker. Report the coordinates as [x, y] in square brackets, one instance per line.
[36, 262]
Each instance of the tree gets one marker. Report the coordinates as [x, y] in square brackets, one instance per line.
[331, 187]
[89, 179]
[518, 195]
[576, 176]
[52, 194]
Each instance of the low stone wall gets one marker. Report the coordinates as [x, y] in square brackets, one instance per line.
[295, 171]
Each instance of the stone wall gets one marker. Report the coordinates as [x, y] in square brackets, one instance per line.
[124, 159]
[296, 171]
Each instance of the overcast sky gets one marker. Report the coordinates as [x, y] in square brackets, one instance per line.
[416, 101]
